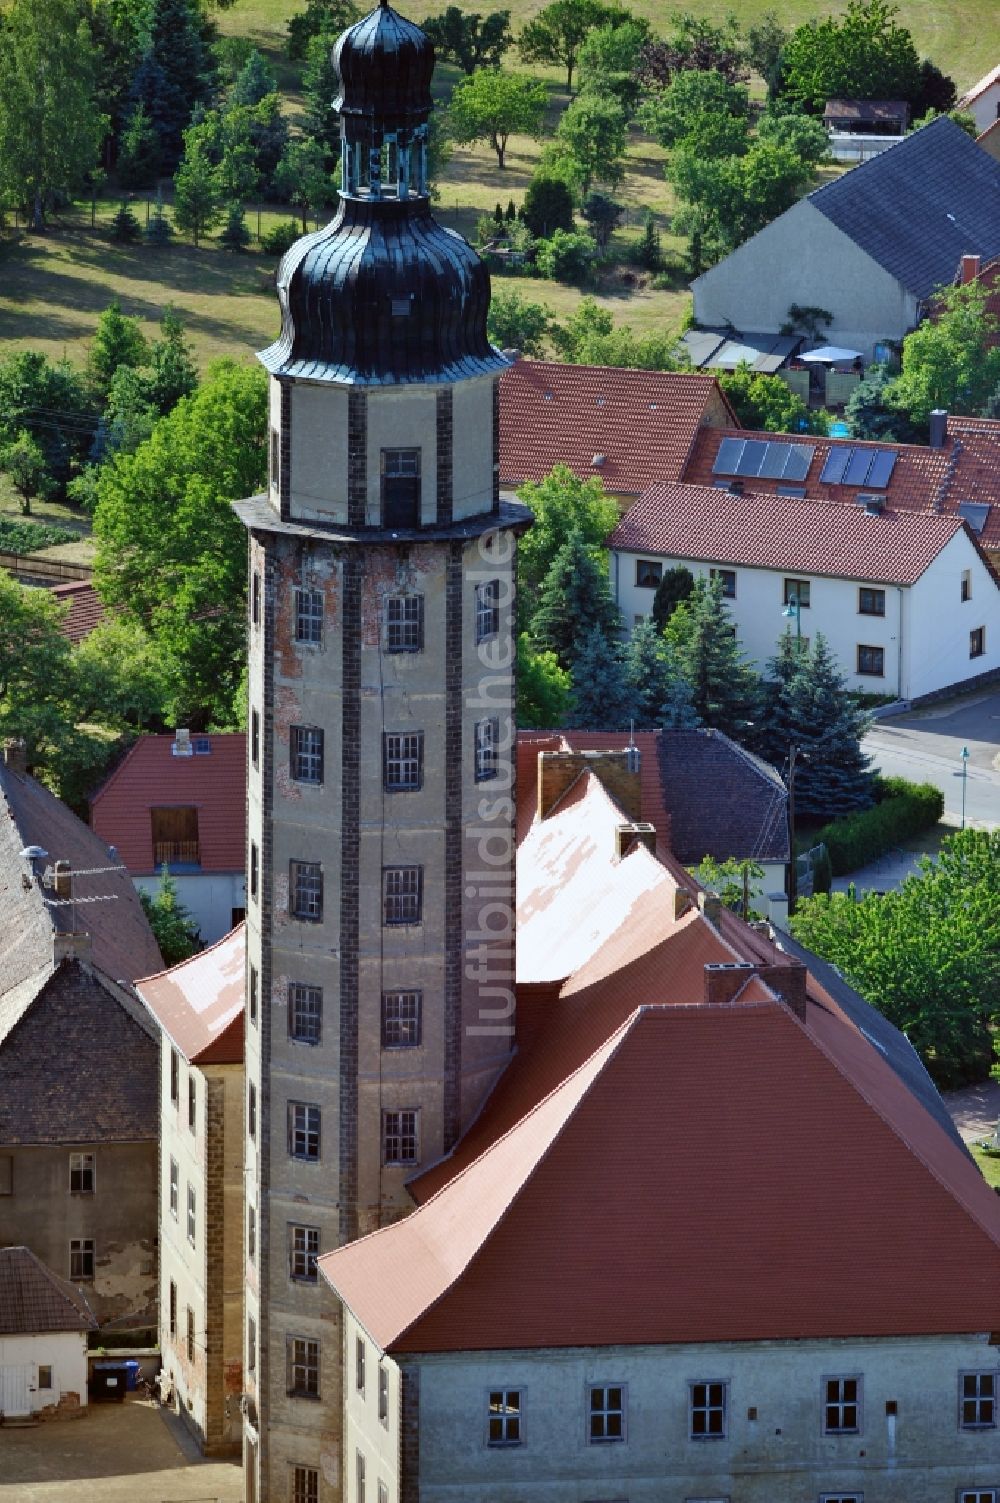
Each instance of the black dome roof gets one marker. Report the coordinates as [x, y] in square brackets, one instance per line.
[383, 295]
[385, 64]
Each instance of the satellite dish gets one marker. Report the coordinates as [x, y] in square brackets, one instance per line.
[34, 853]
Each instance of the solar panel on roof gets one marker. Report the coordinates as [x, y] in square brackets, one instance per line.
[836, 464]
[858, 466]
[728, 458]
[882, 467]
[775, 459]
[975, 513]
[797, 461]
[871, 467]
[752, 457]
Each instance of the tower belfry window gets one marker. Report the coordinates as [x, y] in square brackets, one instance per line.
[400, 487]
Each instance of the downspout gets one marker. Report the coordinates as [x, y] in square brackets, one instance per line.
[899, 654]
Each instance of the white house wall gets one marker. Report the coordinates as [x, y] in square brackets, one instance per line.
[801, 257]
[64, 1351]
[775, 1446]
[209, 896]
[985, 108]
[924, 633]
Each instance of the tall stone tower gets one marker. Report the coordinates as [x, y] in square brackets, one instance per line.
[380, 862]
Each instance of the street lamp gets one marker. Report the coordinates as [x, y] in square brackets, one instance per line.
[794, 608]
[965, 778]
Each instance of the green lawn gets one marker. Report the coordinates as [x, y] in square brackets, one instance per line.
[989, 1163]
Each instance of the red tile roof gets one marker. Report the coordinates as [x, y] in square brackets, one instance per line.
[199, 1003]
[974, 474]
[33, 1299]
[517, 1251]
[642, 422]
[151, 777]
[86, 609]
[778, 532]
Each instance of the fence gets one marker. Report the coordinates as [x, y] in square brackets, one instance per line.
[30, 568]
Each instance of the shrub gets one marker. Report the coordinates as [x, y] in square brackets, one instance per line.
[280, 237]
[125, 227]
[235, 235]
[822, 870]
[548, 206]
[903, 810]
[29, 537]
[566, 257]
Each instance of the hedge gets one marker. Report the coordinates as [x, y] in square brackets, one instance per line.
[29, 537]
[903, 810]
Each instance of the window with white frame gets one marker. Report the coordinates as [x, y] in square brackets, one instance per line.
[606, 1416]
[254, 870]
[402, 761]
[303, 1367]
[404, 623]
[82, 1174]
[175, 1078]
[383, 1493]
[306, 754]
[871, 602]
[192, 1104]
[399, 1137]
[727, 578]
[359, 1468]
[504, 1426]
[360, 1352]
[190, 1334]
[305, 882]
[254, 989]
[255, 738]
[401, 1019]
[383, 1395]
[192, 1208]
[977, 1400]
[309, 616]
[796, 592]
[303, 1250]
[487, 609]
[707, 1410]
[175, 1179]
[487, 747]
[172, 1309]
[842, 1406]
[81, 1259]
[305, 1485]
[871, 661]
[979, 1495]
[402, 894]
[303, 1131]
[648, 573]
[251, 1234]
[252, 1111]
[251, 1344]
[305, 1013]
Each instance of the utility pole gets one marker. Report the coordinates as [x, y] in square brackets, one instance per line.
[793, 752]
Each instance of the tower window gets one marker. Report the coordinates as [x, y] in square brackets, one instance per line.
[303, 1131]
[303, 1250]
[275, 460]
[306, 890]
[303, 1367]
[255, 737]
[403, 761]
[487, 609]
[254, 988]
[402, 894]
[400, 1020]
[305, 1485]
[305, 1013]
[308, 616]
[404, 623]
[400, 487]
[252, 1110]
[307, 754]
[251, 1234]
[399, 1137]
[254, 869]
[487, 743]
[255, 598]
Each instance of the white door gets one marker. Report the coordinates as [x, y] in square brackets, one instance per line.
[15, 1389]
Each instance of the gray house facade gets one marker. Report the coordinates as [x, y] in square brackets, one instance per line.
[870, 247]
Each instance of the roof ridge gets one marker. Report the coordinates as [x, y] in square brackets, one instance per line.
[168, 970]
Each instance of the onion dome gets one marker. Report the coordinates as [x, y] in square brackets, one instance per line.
[384, 294]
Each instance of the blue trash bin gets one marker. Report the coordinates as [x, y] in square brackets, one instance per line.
[132, 1365]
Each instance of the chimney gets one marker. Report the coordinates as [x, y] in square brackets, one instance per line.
[15, 755]
[625, 835]
[723, 981]
[789, 981]
[969, 270]
[70, 947]
[683, 901]
[711, 906]
[182, 744]
[558, 770]
[939, 427]
[62, 883]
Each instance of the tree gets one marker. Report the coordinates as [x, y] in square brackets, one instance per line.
[492, 106]
[174, 928]
[766, 41]
[176, 73]
[567, 256]
[470, 40]
[649, 250]
[675, 586]
[320, 87]
[833, 772]
[326, 18]
[575, 597]
[761, 401]
[726, 200]
[735, 882]
[603, 216]
[652, 673]
[170, 552]
[926, 955]
[589, 337]
[52, 401]
[235, 235]
[514, 323]
[702, 108]
[562, 504]
[677, 713]
[804, 136]
[609, 62]
[725, 690]
[548, 206]
[602, 696]
[139, 154]
[542, 687]
[24, 462]
[777, 729]
[872, 411]
[50, 128]
[865, 54]
[555, 34]
[125, 227]
[950, 361]
[695, 45]
[170, 372]
[302, 178]
[118, 340]
[254, 81]
[34, 667]
[593, 133]
[937, 91]
[121, 677]
[197, 194]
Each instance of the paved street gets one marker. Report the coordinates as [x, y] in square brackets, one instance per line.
[925, 746]
[115, 1453]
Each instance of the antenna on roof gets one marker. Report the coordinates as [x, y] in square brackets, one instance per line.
[633, 757]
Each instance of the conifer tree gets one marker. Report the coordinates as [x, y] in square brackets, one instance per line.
[575, 597]
[833, 772]
[651, 672]
[118, 340]
[197, 196]
[176, 73]
[776, 730]
[677, 713]
[675, 585]
[139, 153]
[253, 82]
[603, 698]
[724, 688]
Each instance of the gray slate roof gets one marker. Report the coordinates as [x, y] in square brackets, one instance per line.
[33, 1299]
[722, 800]
[889, 1040]
[919, 207]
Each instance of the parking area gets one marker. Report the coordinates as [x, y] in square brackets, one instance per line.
[116, 1453]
